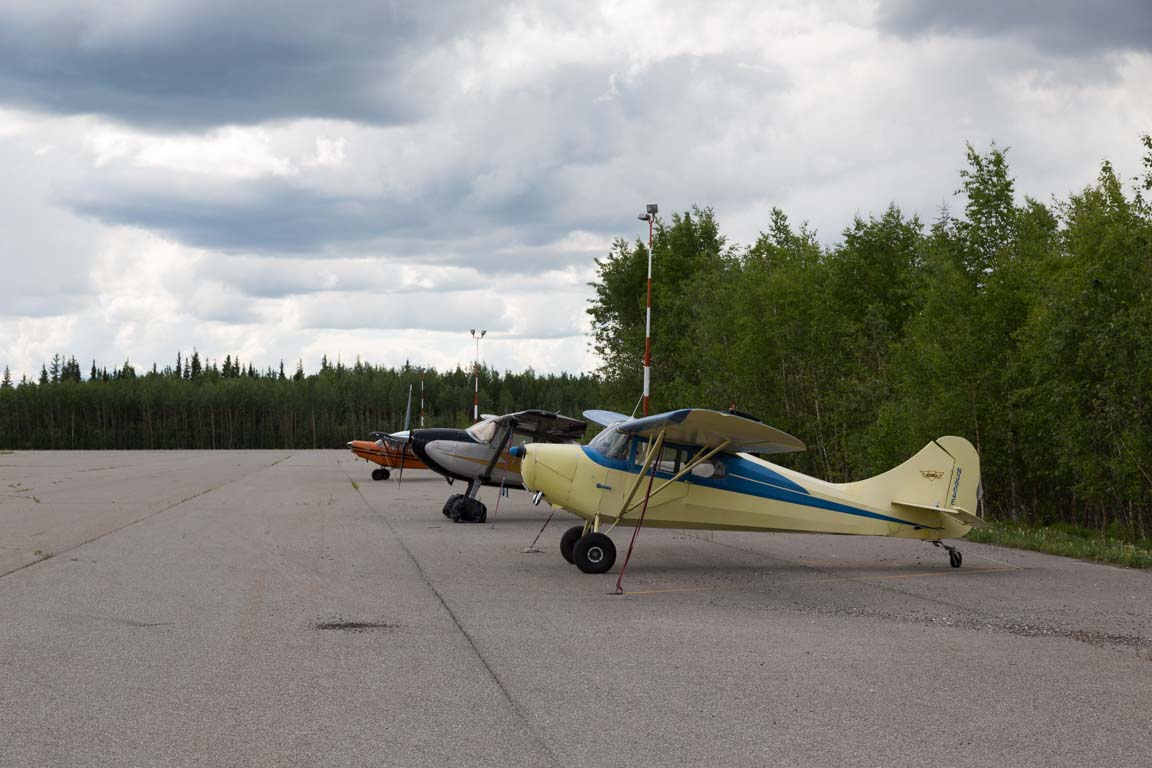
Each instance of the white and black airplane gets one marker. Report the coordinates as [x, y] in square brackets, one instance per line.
[479, 454]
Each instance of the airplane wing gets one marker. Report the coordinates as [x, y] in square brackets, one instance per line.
[604, 418]
[697, 426]
[546, 426]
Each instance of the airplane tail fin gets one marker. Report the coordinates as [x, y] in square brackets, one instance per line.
[941, 482]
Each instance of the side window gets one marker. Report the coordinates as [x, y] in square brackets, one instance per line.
[670, 459]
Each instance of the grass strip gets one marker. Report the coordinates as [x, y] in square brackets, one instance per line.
[1066, 540]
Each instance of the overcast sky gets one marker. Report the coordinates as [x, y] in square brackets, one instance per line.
[281, 179]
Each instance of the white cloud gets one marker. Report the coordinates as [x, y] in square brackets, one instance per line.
[383, 203]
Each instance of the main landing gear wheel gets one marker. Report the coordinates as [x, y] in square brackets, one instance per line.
[955, 558]
[594, 553]
[466, 510]
[568, 541]
[448, 504]
[380, 473]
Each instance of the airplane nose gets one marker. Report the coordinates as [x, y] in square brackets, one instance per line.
[527, 465]
[548, 468]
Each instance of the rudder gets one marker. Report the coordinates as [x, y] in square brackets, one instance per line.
[964, 483]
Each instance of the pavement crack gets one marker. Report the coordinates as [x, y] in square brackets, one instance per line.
[146, 517]
[521, 715]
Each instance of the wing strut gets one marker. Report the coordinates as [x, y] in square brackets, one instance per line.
[653, 455]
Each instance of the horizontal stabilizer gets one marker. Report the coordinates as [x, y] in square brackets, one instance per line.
[960, 515]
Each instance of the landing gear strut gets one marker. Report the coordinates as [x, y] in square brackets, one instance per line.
[955, 558]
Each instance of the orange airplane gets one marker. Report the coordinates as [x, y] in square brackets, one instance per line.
[389, 451]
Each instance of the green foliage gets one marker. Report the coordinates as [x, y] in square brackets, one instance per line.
[244, 408]
[1024, 327]
[1069, 541]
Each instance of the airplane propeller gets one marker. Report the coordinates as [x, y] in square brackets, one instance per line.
[408, 429]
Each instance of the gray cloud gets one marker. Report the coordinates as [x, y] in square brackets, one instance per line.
[181, 66]
[1061, 27]
[272, 277]
[439, 311]
[460, 165]
[500, 181]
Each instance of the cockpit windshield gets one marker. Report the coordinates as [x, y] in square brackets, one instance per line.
[483, 431]
[611, 444]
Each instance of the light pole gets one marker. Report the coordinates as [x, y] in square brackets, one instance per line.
[650, 217]
[476, 393]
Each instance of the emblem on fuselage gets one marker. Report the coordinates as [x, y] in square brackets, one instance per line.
[931, 474]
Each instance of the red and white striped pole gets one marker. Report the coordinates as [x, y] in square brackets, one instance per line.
[476, 392]
[650, 215]
[421, 399]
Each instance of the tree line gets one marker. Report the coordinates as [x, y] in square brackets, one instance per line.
[1025, 327]
[228, 405]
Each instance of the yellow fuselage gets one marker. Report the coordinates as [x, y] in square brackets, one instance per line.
[744, 493]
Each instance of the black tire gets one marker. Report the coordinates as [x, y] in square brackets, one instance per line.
[458, 509]
[568, 541]
[594, 553]
[380, 473]
[448, 504]
[955, 558]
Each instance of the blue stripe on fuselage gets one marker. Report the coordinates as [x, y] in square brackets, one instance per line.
[752, 479]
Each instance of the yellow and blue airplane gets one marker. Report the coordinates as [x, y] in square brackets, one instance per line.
[695, 468]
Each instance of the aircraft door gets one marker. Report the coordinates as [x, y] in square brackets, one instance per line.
[617, 483]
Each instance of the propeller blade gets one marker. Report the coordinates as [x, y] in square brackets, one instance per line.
[408, 411]
[408, 429]
[404, 456]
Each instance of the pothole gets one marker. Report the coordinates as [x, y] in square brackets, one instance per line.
[351, 625]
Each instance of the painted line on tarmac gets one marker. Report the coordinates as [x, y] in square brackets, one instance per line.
[957, 572]
[675, 589]
[823, 581]
[994, 560]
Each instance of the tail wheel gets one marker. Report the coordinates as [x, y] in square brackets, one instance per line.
[955, 558]
[380, 473]
[594, 553]
[568, 541]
